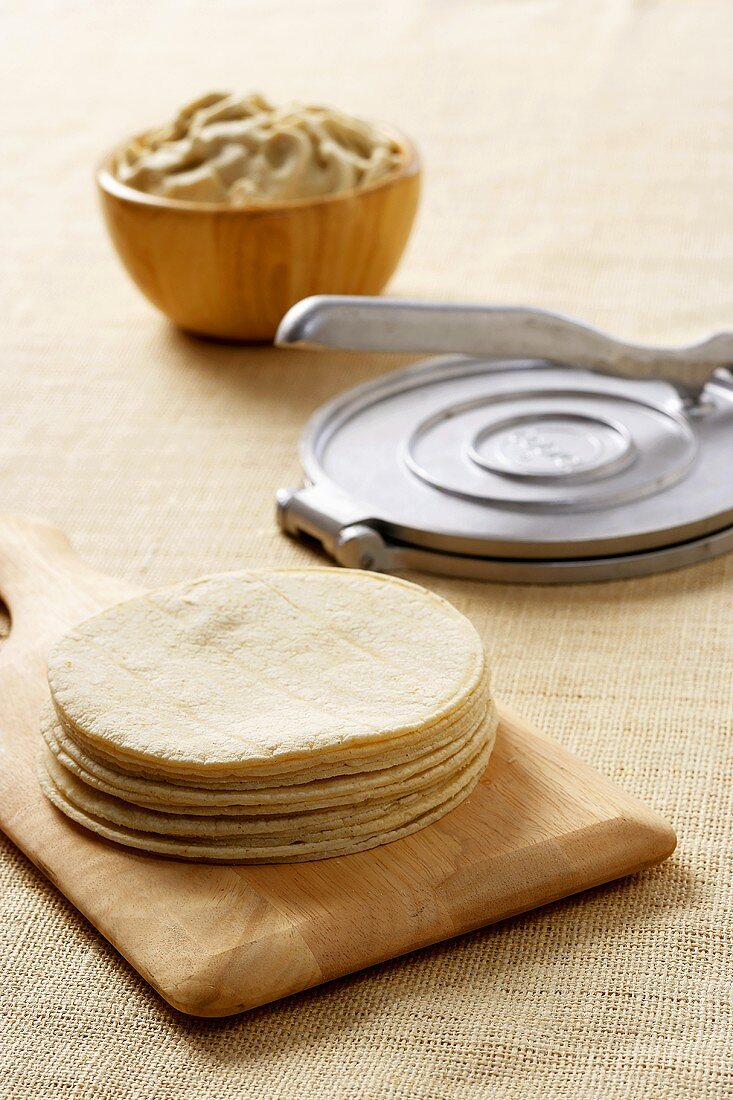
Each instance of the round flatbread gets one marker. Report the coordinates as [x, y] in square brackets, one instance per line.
[239, 671]
[207, 852]
[399, 751]
[335, 825]
[318, 794]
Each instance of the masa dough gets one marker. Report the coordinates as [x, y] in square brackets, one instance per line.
[235, 149]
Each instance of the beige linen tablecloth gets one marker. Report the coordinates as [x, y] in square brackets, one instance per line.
[578, 156]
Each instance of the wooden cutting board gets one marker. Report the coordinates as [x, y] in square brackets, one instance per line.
[215, 940]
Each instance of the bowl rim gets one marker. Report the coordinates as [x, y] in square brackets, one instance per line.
[108, 183]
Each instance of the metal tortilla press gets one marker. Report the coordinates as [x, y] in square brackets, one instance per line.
[546, 452]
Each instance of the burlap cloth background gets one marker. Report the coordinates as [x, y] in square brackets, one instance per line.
[578, 156]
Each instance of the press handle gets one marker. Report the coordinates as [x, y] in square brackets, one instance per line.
[502, 332]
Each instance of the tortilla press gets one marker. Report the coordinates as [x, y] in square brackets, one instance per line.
[546, 452]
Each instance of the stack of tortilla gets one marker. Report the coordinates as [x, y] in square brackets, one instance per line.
[267, 717]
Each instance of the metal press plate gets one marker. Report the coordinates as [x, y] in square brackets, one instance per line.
[526, 460]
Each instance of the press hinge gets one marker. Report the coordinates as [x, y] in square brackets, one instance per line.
[343, 528]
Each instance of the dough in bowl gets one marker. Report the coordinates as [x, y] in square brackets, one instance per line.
[241, 150]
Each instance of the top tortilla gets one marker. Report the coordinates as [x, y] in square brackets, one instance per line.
[242, 669]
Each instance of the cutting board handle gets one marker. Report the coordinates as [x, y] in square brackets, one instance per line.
[40, 571]
[30, 548]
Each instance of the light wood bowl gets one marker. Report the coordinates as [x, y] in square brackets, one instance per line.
[232, 272]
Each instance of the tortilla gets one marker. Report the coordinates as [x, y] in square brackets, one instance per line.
[336, 824]
[267, 716]
[242, 670]
[207, 852]
[318, 794]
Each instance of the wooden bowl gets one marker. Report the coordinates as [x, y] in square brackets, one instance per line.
[233, 271]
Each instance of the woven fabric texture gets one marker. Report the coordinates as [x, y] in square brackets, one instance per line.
[577, 156]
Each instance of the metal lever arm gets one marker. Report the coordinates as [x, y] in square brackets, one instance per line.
[502, 332]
